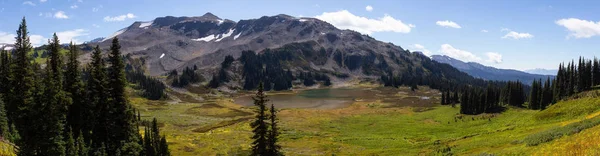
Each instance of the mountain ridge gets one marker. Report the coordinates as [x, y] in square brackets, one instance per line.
[489, 73]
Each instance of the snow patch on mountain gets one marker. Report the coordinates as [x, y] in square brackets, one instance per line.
[115, 34]
[236, 36]
[223, 36]
[206, 39]
[146, 24]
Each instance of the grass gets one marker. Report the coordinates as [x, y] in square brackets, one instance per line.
[216, 126]
[555, 133]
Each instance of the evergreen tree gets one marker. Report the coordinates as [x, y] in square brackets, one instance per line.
[55, 103]
[97, 105]
[4, 128]
[121, 119]
[443, 102]
[20, 98]
[272, 146]
[4, 72]
[81, 146]
[72, 149]
[534, 99]
[164, 147]
[595, 72]
[75, 87]
[259, 126]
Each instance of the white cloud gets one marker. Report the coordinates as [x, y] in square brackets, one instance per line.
[421, 48]
[37, 40]
[71, 35]
[28, 3]
[96, 9]
[60, 15]
[447, 23]
[42, 1]
[494, 57]
[580, 28]
[119, 18]
[517, 35]
[369, 8]
[96, 25]
[346, 20]
[484, 31]
[462, 55]
[504, 29]
[74, 6]
[7, 38]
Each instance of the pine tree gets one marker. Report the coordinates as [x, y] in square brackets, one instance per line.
[122, 118]
[534, 100]
[164, 147]
[76, 89]
[81, 146]
[55, 103]
[595, 72]
[4, 128]
[20, 98]
[72, 149]
[273, 133]
[4, 72]
[97, 105]
[259, 126]
[443, 102]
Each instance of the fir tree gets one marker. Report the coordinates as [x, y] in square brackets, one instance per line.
[97, 105]
[76, 89]
[81, 146]
[259, 126]
[4, 128]
[121, 118]
[21, 99]
[72, 149]
[55, 104]
[273, 133]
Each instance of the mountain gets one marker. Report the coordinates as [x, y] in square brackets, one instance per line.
[298, 45]
[489, 73]
[96, 40]
[541, 71]
[6, 46]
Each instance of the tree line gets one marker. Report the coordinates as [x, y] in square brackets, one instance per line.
[53, 110]
[571, 79]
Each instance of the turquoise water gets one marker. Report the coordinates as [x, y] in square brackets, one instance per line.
[314, 98]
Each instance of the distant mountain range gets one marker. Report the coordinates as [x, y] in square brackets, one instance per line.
[542, 71]
[489, 73]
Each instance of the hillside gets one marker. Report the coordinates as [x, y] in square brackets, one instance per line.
[174, 43]
[489, 73]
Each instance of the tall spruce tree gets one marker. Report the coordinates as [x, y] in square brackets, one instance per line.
[273, 134]
[20, 98]
[55, 103]
[123, 132]
[71, 145]
[259, 125]
[75, 87]
[4, 126]
[97, 105]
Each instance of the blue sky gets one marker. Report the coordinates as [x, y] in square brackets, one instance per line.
[512, 34]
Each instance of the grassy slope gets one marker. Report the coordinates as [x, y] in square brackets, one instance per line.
[217, 126]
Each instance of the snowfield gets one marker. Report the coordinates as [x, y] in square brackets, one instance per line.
[115, 34]
[146, 24]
